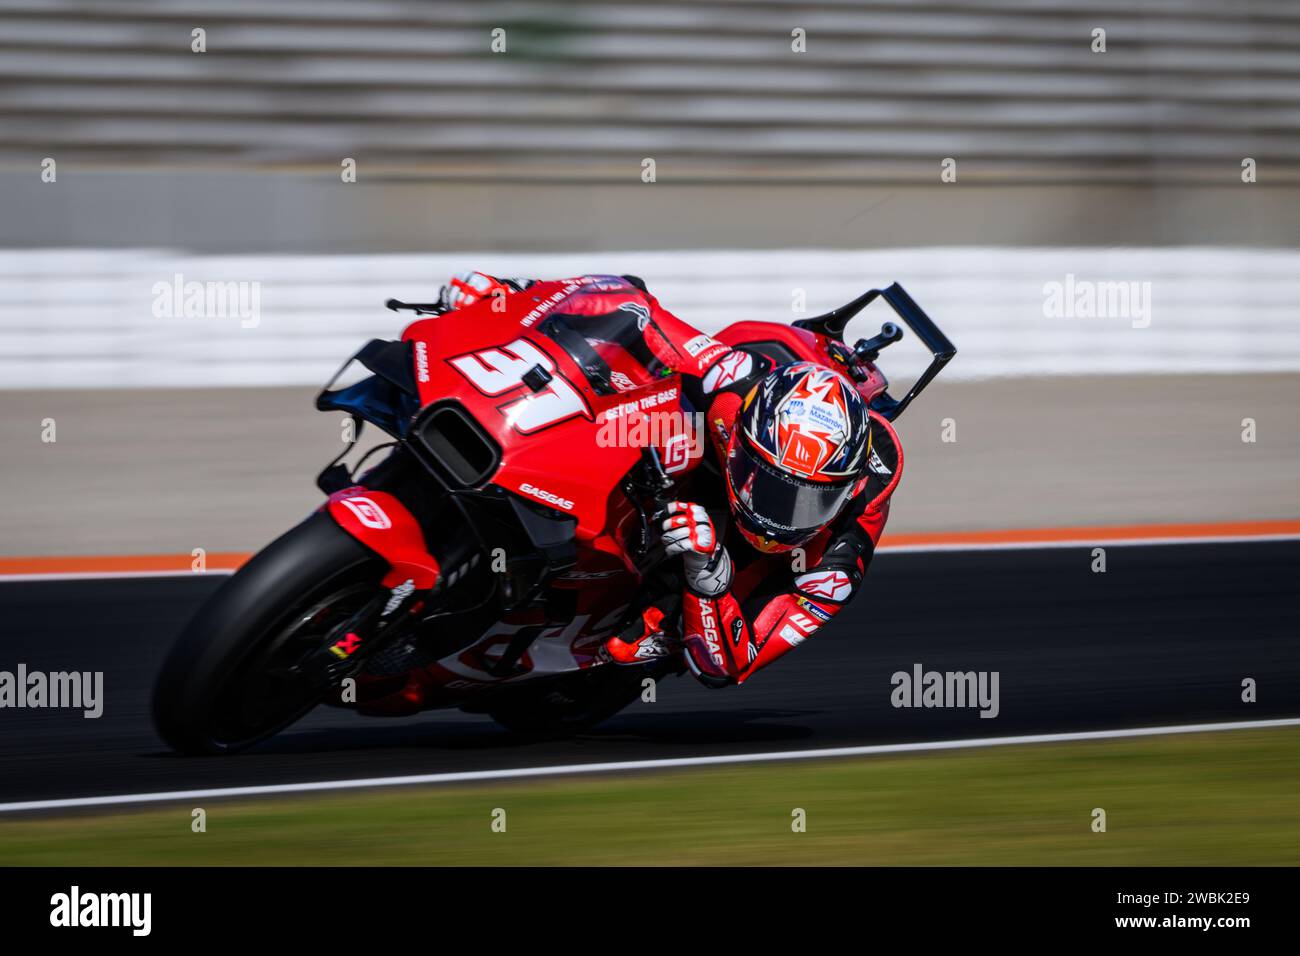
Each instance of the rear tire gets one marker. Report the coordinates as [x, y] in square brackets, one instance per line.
[218, 691]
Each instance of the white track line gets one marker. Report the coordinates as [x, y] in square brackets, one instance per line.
[885, 548]
[665, 764]
[110, 575]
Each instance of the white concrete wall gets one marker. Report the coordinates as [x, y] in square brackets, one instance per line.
[85, 318]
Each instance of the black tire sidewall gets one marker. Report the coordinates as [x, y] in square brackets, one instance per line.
[305, 564]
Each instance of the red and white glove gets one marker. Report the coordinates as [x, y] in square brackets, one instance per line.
[467, 288]
[689, 532]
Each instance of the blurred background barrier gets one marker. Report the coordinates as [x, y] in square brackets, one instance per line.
[72, 319]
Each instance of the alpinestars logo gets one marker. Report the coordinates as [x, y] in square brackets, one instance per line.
[651, 647]
[731, 368]
[834, 585]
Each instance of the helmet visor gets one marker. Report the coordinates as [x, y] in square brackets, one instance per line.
[782, 507]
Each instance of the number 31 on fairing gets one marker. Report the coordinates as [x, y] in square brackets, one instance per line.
[496, 371]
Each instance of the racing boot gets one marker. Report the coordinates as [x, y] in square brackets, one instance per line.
[644, 641]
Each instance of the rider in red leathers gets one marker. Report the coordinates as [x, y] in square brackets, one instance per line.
[806, 474]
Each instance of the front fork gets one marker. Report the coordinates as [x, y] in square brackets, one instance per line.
[383, 524]
[384, 619]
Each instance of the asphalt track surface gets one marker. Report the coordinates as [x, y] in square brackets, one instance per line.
[1165, 636]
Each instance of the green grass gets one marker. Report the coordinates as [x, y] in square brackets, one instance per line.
[1224, 798]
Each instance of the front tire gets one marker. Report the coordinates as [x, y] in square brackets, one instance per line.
[223, 687]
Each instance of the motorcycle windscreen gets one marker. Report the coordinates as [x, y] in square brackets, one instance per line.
[784, 506]
[377, 384]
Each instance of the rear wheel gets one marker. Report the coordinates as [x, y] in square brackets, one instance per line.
[227, 683]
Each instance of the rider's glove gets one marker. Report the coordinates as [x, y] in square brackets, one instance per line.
[689, 532]
[466, 288]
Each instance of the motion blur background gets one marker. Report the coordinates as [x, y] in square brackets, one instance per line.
[775, 170]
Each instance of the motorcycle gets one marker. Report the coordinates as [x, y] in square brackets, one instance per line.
[503, 534]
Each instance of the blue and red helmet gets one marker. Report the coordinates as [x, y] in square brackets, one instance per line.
[797, 455]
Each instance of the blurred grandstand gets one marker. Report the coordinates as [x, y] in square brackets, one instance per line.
[584, 91]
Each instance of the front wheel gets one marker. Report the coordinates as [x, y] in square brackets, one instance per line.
[227, 682]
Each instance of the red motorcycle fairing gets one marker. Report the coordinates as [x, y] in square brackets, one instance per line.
[385, 526]
[563, 444]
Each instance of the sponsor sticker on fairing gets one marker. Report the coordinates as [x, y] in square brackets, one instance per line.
[368, 513]
[677, 453]
[718, 348]
[549, 497]
[698, 344]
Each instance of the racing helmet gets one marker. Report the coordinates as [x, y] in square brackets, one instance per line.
[797, 454]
